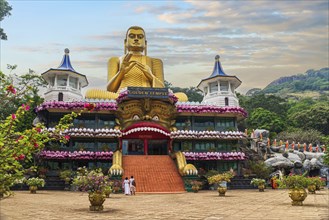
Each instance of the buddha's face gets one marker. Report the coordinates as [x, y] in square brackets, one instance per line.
[135, 40]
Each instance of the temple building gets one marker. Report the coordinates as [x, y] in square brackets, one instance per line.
[143, 129]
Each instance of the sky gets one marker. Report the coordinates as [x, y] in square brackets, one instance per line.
[258, 41]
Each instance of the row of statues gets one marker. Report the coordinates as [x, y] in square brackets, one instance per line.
[134, 68]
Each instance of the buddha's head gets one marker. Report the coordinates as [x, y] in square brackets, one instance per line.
[135, 39]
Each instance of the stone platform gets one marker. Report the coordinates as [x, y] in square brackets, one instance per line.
[237, 204]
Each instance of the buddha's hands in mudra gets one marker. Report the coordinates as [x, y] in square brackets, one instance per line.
[127, 65]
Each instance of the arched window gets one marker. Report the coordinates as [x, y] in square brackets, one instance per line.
[60, 96]
[226, 101]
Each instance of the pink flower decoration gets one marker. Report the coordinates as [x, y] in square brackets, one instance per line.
[11, 89]
[13, 116]
[25, 107]
[89, 106]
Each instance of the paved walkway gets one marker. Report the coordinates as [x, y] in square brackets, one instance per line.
[237, 204]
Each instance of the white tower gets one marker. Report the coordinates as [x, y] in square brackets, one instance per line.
[219, 88]
[64, 83]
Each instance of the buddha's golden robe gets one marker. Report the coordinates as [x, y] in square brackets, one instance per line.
[135, 77]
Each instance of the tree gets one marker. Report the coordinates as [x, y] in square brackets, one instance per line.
[326, 157]
[260, 169]
[264, 119]
[301, 136]
[314, 117]
[253, 91]
[167, 84]
[19, 141]
[18, 90]
[193, 93]
[17, 148]
[269, 102]
[5, 9]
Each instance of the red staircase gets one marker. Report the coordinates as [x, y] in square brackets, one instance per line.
[153, 173]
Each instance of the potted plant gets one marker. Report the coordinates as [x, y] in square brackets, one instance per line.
[260, 183]
[221, 180]
[117, 186]
[93, 182]
[42, 172]
[65, 175]
[108, 189]
[34, 183]
[296, 185]
[314, 183]
[196, 185]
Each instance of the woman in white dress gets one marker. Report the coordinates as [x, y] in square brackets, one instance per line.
[126, 186]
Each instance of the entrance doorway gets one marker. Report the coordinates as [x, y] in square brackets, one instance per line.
[144, 146]
[133, 147]
[157, 147]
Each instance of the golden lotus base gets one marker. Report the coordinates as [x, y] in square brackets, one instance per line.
[195, 189]
[261, 188]
[96, 200]
[96, 208]
[221, 191]
[297, 203]
[33, 189]
[311, 189]
[297, 196]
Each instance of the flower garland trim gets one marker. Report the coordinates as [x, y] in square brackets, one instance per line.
[90, 132]
[194, 108]
[96, 106]
[76, 155]
[183, 134]
[215, 155]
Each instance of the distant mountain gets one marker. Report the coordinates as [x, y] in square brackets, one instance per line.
[312, 83]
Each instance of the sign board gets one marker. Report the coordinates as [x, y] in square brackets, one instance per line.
[144, 92]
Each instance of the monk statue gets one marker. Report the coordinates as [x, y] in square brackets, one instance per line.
[134, 68]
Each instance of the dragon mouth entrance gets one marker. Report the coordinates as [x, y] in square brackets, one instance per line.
[145, 138]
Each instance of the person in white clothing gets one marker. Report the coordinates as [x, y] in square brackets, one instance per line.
[131, 180]
[126, 183]
[132, 185]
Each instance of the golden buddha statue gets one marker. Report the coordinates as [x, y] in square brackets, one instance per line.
[134, 68]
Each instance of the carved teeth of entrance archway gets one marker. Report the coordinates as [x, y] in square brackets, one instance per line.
[145, 129]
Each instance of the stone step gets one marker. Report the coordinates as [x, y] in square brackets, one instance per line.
[153, 173]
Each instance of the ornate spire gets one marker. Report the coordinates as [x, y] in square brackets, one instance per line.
[218, 70]
[66, 63]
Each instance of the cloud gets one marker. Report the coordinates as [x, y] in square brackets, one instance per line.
[258, 40]
[147, 8]
[170, 18]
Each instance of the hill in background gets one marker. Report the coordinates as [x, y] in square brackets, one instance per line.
[313, 83]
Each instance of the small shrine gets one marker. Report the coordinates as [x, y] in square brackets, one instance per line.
[219, 88]
[64, 83]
